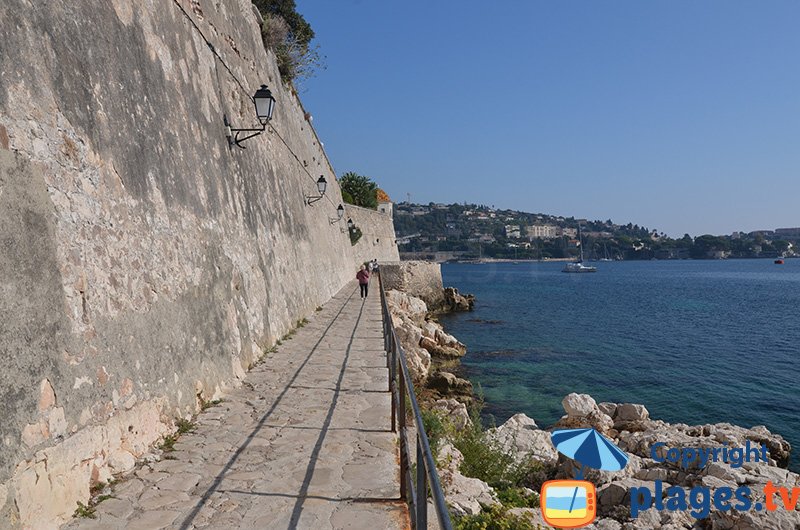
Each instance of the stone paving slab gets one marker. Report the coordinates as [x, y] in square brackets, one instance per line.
[304, 443]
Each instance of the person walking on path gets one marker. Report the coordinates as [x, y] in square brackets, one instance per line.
[363, 281]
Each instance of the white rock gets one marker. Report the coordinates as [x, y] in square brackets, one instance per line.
[407, 332]
[609, 409]
[430, 330]
[579, 404]
[401, 303]
[631, 412]
[419, 362]
[463, 494]
[521, 437]
[121, 462]
[455, 411]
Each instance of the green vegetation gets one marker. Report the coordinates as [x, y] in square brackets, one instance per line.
[289, 36]
[485, 459]
[517, 498]
[436, 427]
[355, 235]
[204, 405]
[359, 190]
[84, 511]
[185, 426]
[168, 444]
[493, 518]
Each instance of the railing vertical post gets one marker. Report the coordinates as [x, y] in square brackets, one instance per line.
[401, 418]
[393, 382]
[422, 489]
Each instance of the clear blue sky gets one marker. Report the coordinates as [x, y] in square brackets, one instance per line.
[678, 115]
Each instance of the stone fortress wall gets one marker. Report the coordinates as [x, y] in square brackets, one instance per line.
[378, 240]
[144, 264]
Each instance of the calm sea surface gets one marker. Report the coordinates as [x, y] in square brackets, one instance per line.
[694, 341]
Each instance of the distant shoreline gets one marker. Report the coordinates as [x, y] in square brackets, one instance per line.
[557, 260]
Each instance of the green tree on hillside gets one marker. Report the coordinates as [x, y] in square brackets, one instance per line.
[359, 190]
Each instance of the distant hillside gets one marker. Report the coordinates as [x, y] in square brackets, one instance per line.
[470, 231]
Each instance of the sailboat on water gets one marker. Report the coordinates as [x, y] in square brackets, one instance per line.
[605, 254]
[578, 266]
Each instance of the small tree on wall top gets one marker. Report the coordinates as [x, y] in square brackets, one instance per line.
[359, 190]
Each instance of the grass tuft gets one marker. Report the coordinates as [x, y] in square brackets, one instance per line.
[168, 444]
[494, 518]
[185, 426]
[84, 510]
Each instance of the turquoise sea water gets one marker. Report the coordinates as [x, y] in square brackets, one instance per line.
[694, 341]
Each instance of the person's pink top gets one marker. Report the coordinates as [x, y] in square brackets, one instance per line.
[362, 277]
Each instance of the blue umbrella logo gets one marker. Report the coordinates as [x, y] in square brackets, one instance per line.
[588, 448]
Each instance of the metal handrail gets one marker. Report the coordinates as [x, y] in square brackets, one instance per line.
[401, 386]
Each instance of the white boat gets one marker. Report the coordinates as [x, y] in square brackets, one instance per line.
[578, 266]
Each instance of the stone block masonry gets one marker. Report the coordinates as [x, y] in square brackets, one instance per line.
[143, 263]
[378, 240]
[422, 279]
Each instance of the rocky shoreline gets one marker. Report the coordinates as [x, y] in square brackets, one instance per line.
[432, 355]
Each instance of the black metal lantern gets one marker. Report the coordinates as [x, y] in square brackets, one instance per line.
[322, 185]
[339, 216]
[265, 104]
[350, 224]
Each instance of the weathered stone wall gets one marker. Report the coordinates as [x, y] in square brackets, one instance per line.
[422, 279]
[378, 240]
[142, 261]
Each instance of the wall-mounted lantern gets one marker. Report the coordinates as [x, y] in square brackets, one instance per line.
[265, 105]
[322, 185]
[355, 232]
[339, 215]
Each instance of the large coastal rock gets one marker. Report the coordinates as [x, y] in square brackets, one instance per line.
[453, 301]
[455, 411]
[521, 437]
[583, 412]
[407, 305]
[422, 340]
[447, 384]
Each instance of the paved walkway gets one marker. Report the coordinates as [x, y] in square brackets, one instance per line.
[304, 443]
